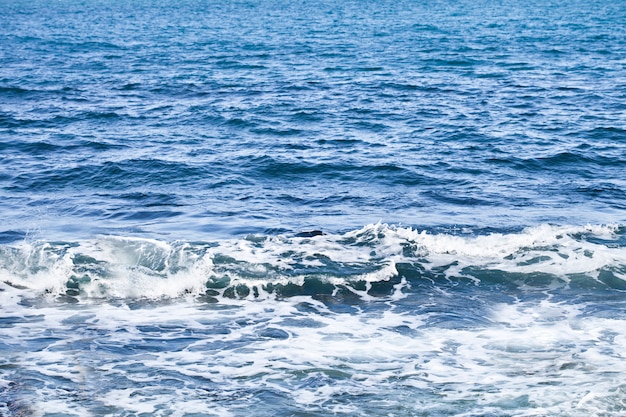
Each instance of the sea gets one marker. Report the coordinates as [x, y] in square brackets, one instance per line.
[309, 208]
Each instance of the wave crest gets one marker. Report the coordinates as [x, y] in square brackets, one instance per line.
[128, 267]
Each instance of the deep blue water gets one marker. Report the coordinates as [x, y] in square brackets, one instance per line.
[312, 208]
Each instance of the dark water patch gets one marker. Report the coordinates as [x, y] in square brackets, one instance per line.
[30, 148]
[144, 215]
[95, 115]
[437, 64]
[11, 321]
[341, 142]
[11, 236]
[242, 123]
[10, 122]
[14, 91]
[611, 193]
[576, 163]
[239, 65]
[533, 282]
[92, 47]
[370, 126]
[613, 278]
[298, 88]
[308, 116]
[100, 146]
[606, 133]
[576, 159]
[298, 146]
[277, 131]
[351, 292]
[370, 69]
[148, 199]
[452, 197]
[270, 167]
[40, 92]
[59, 144]
[273, 333]
[406, 87]
[177, 90]
[131, 86]
[109, 176]
[57, 121]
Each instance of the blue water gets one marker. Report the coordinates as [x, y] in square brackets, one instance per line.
[359, 208]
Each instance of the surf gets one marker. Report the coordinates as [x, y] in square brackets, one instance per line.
[131, 267]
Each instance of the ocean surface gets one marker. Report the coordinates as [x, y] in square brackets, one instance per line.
[312, 208]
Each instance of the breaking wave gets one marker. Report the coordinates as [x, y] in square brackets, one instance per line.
[373, 259]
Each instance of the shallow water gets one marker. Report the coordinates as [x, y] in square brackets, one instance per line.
[378, 321]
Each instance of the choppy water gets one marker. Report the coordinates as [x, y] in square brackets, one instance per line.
[312, 208]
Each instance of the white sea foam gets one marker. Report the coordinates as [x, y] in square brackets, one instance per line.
[535, 358]
[121, 267]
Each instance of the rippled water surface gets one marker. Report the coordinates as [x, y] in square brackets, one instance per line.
[312, 208]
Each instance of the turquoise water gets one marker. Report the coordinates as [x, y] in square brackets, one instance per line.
[312, 208]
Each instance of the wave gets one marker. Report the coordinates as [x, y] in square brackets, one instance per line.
[386, 173]
[378, 259]
[108, 175]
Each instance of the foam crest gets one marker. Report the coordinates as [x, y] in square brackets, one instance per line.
[557, 250]
[147, 268]
[41, 266]
[255, 266]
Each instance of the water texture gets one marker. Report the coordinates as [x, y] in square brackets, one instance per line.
[307, 208]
